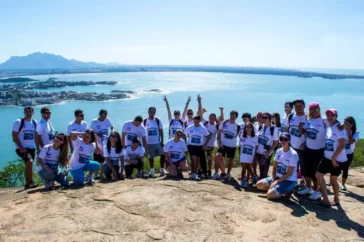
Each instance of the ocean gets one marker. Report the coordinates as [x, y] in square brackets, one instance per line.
[241, 92]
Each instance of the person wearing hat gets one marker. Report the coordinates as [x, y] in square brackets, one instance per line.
[334, 158]
[292, 126]
[287, 111]
[176, 122]
[267, 141]
[284, 175]
[315, 131]
[154, 148]
[175, 151]
[131, 130]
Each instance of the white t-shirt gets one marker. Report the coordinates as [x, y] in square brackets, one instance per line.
[133, 132]
[49, 157]
[73, 126]
[152, 131]
[248, 147]
[283, 122]
[296, 138]
[333, 134]
[242, 126]
[46, 131]
[315, 133]
[113, 156]
[196, 135]
[82, 154]
[351, 147]
[26, 134]
[174, 126]
[176, 150]
[187, 123]
[284, 160]
[212, 129]
[229, 133]
[128, 151]
[265, 138]
[102, 128]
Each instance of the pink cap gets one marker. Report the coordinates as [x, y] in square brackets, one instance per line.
[331, 111]
[314, 105]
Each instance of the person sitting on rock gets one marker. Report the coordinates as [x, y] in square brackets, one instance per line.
[133, 158]
[284, 174]
[114, 157]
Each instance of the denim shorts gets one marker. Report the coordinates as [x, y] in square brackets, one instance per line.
[282, 187]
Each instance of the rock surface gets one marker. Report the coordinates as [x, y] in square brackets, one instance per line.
[168, 210]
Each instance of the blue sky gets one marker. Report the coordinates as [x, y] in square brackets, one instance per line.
[292, 33]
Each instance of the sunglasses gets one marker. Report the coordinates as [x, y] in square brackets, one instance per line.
[283, 139]
[59, 138]
[189, 113]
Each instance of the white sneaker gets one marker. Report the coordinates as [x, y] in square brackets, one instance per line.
[228, 176]
[305, 191]
[90, 179]
[215, 176]
[162, 172]
[151, 174]
[315, 196]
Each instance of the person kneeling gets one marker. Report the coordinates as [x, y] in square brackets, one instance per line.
[133, 157]
[114, 158]
[284, 175]
[175, 151]
[49, 159]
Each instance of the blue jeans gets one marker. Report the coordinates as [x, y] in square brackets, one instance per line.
[108, 171]
[282, 187]
[78, 174]
[55, 176]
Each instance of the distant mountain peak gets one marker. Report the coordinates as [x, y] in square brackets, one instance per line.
[39, 60]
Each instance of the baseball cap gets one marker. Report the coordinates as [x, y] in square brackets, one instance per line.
[314, 105]
[331, 111]
[177, 112]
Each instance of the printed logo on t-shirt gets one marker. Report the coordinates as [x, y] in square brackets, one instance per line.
[175, 155]
[132, 136]
[262, 140]
[51, 135]
[152, 132]
[247, 149]
[281, 169]
[28, 135]
[295, 131]
[329, 146]
[347, 145]
[228, 135]
[195, 139]
[312, 133]
[114, 161]
[84, 159]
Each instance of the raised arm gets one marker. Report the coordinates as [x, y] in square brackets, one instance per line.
[186, 107]
[199, 108]
[221, 114]
[98, 149]
[74, 135]
[168, 108]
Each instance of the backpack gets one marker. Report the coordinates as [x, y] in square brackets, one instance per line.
[22, 122]
[290, 118]
[238, 130]
[271, 129]
[207, 122]
[156, 119]
[170, 123]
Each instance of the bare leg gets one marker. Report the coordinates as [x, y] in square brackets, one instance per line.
[28, 172]
[230, 165]
[335, 187]
[151, 163]
[321, 182]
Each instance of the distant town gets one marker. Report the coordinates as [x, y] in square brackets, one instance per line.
[20, 95]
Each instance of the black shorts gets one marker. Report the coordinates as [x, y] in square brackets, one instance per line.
[229, 152]
[195, 150]
[99, 158]
[26, 156]
[311, 160]
[326, 166]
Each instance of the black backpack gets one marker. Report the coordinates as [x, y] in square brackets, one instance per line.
[156, 119]
[170, 123]
[290, 118]
[207, 122]
[271, 129]
[238, 130]
[22, 122]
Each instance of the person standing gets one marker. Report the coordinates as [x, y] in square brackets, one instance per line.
[287, 111]
[45, 130]
[197, 140]
[334, 158]
[284, 175]
[176, 122]
[101, 126]
[77, 125]
[293, 122]
[134, 130]
[24, 133]
[227, 142]
[351, 137]
[154, 131]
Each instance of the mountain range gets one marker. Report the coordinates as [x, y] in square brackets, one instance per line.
[39, 60]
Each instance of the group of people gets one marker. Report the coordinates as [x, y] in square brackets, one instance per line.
[305, 146]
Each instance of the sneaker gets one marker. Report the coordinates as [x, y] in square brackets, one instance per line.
[228, 176]
[90, 179]
[216, 176]
[194, 177]
[343, 187]
[48, 185]
[98, 177]
[140, 174]
[151, 174]
[162, 172]
[255, 179]
[209, 174]
[305, 191]
[315, 196]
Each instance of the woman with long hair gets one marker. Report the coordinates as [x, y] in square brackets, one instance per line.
[50, 158]
[284, 175]
[114, 157]
[352, 136]
[248, 145]
[276, 121]
[83, 149]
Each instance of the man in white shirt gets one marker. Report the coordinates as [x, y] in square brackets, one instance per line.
[133, 129]
[154, 132]
[45, 130]
[77, 125]
[287, 111]
[24, 133]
